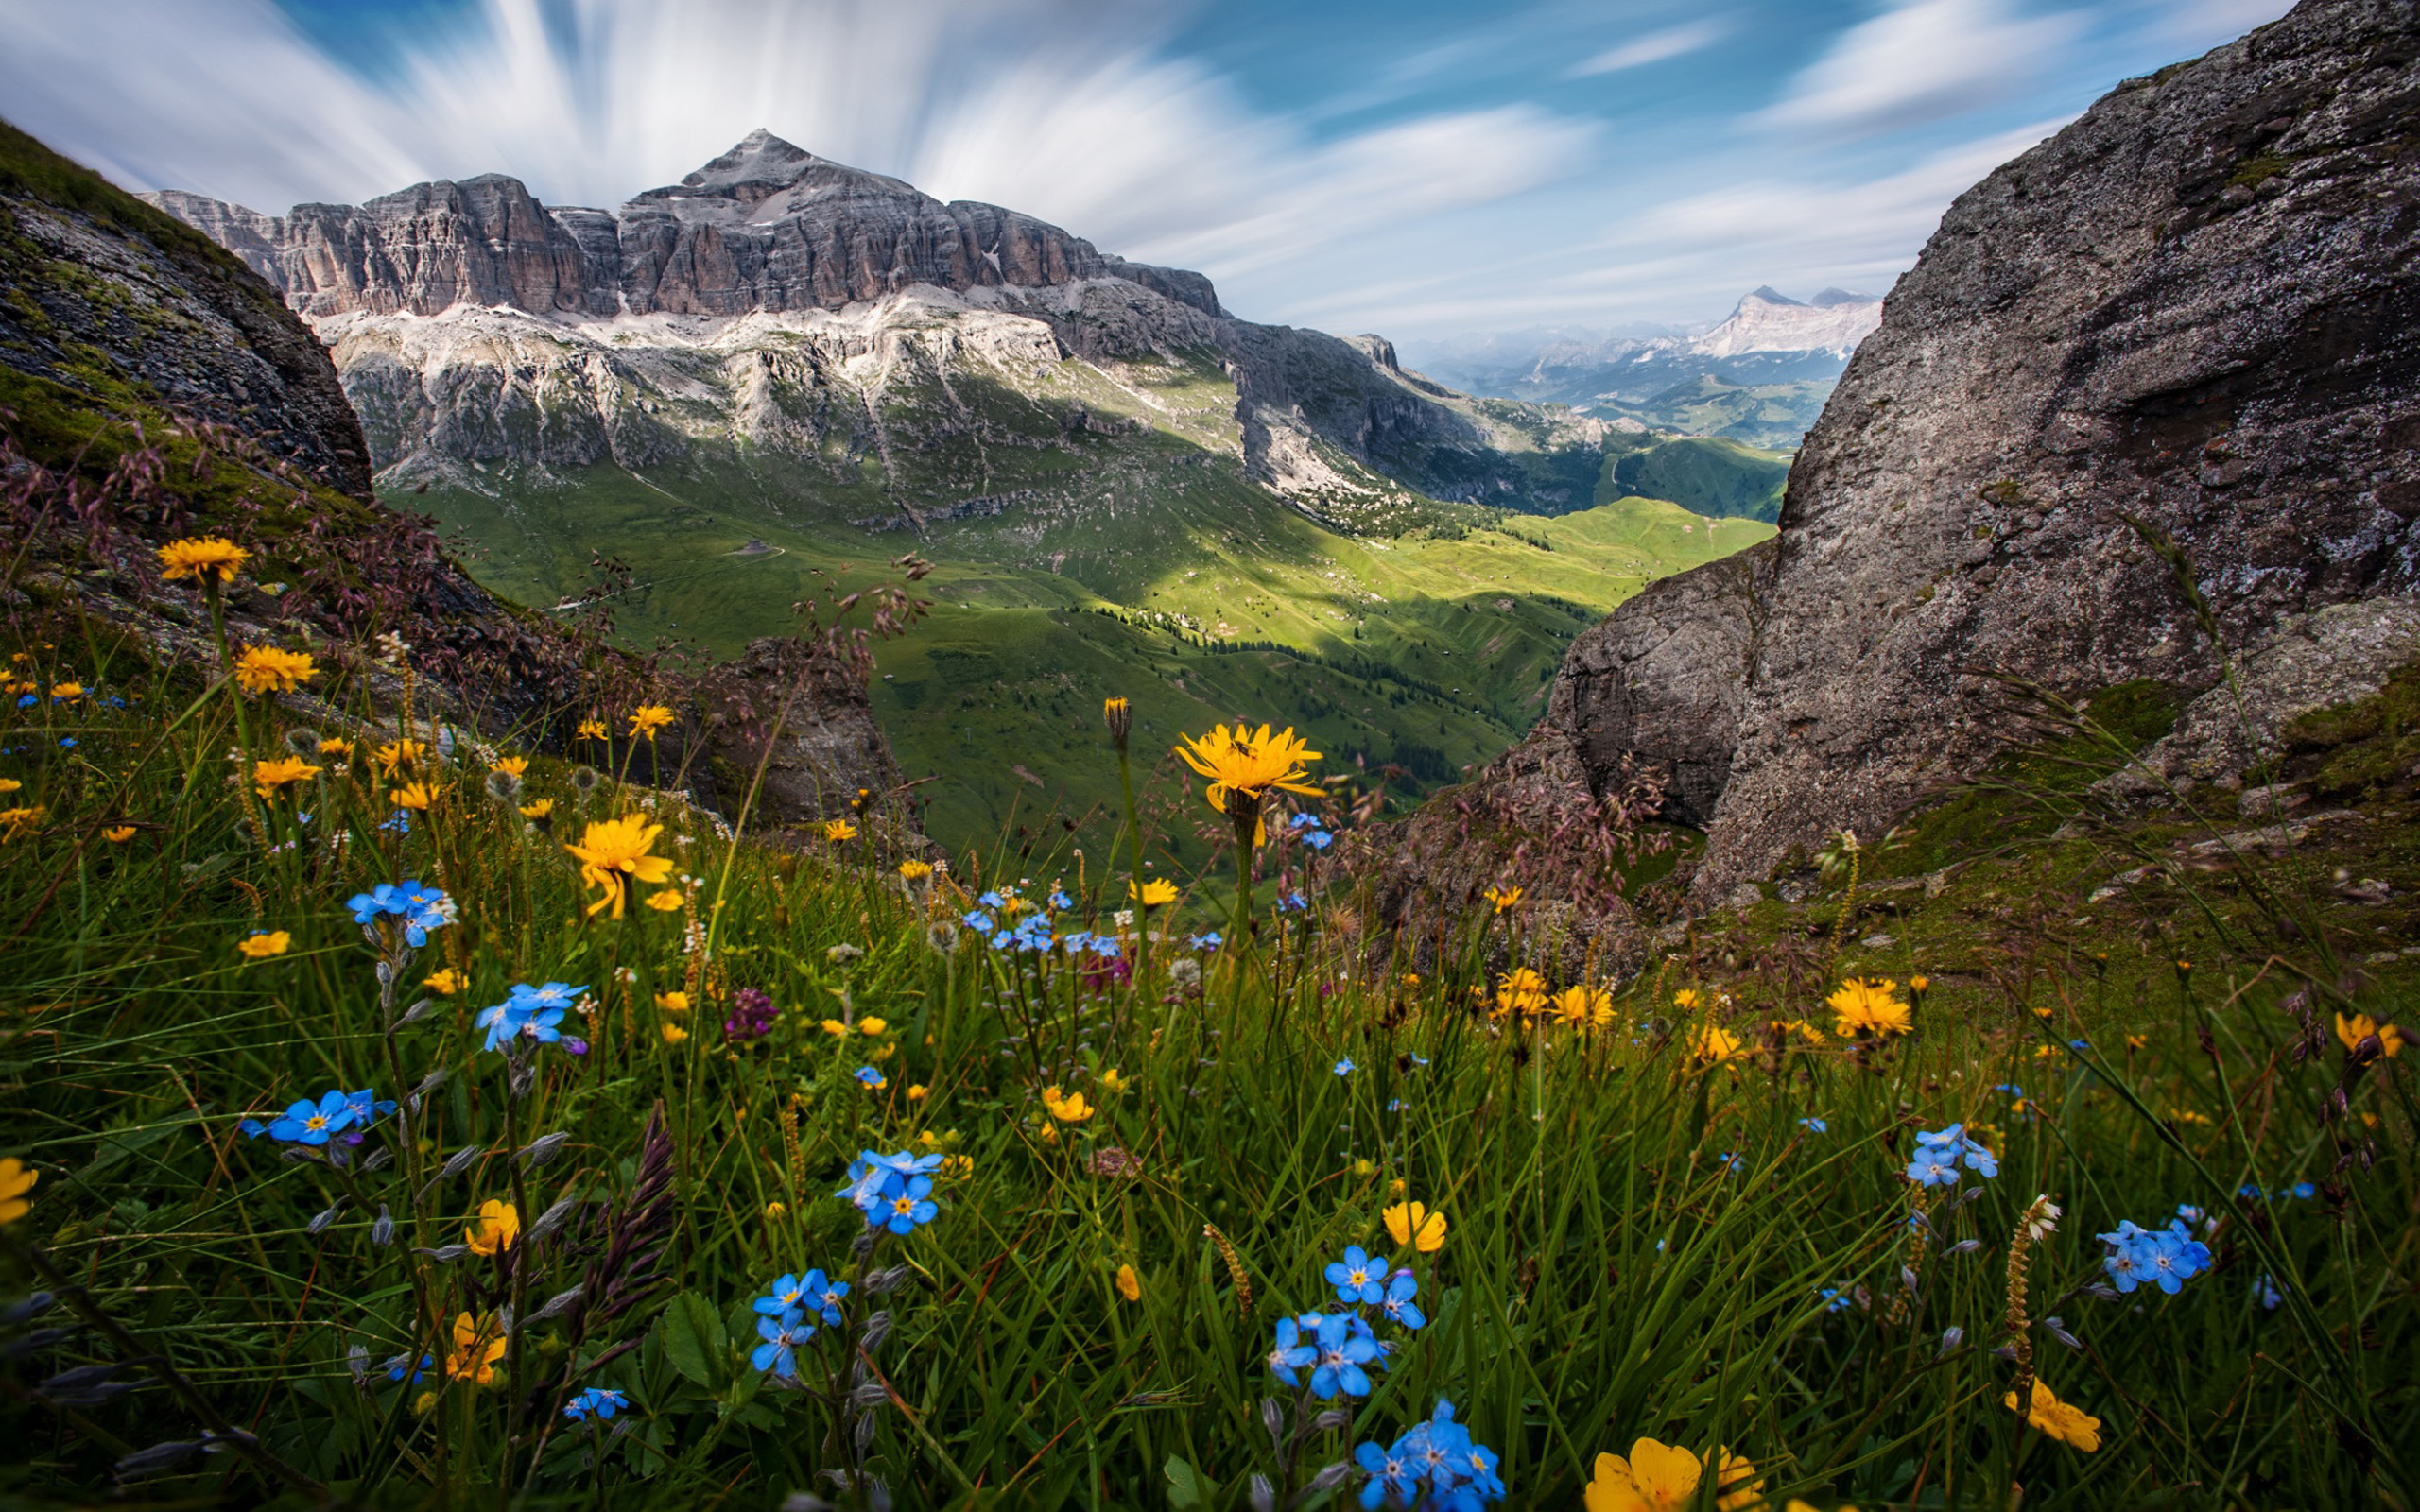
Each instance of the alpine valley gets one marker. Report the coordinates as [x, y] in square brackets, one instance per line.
[772, 380]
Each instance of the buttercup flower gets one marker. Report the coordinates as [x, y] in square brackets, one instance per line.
[499, 1224]
[16, 821]
[666, 901]
[1414, 1223]
[445, 982]
[119, 833]
[16, 1180]
[2354, 1028]
[616, 852]
[266, 668]
[1130, 1287]
[199, 558]
[1064, 1108]
[261, 944]
[479, 1344]
[1659, 1478]
[2060, 1420]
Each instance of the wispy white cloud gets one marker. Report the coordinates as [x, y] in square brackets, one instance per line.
[1654, 47]
[1922, 61]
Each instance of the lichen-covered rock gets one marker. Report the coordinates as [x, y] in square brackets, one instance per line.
[809, 702]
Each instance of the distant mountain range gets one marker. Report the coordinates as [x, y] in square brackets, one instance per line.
[1759, 376]
[781, 367]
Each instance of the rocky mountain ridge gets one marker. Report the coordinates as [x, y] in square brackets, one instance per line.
[777, 300]
[2146, 410]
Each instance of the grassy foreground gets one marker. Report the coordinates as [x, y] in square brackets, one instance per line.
[593, 1139]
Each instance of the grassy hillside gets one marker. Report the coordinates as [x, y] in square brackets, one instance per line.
[1429, 650]
[1712, 475]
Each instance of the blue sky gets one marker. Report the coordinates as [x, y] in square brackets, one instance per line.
[1414, 167]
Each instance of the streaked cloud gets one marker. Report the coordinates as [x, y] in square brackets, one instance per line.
[1654, 47]
[1922, 61]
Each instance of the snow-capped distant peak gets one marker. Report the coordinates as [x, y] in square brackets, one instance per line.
[1767, 320]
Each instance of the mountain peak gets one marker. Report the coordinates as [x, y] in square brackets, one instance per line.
[760, 157]
[1768, 294]
[1832, 297]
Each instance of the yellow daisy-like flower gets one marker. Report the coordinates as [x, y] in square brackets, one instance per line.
[1152, 893]
[915, 870]
[1502, 897]
[16, 1180]
[538, 809]
[397, 755]
[1715, 1046]
[499, 1224]
[1868, 1007]
[511, 766]
[1252, 763]
[673, 1033]
[666, 901]
[1522, 991]
[838, 831]
[119, 833]
[68, 691]
[16, 821]
[1687, 999]
[834, 1027]
[479, 1344]
[1659, 1478]
[446, 983]
[1583, 1007]
[615, 853]
[414, 796]
[2354, 1028]
[261, 944]
[1416, 1224]
[198, 557]
[918, 1093]
[591, 730]
[1130, 1285]
[270, 777]
[337, 748]
[872, 1027]
[1066, 1107]
[2064, 1421]
[648, 718]
[266, 668]
[672, 1001]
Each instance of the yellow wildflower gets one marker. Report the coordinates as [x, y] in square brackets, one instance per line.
[834, 1027]
[672, 1001]
[198, 557]
[1130, 1287]
[9, 784]
[591, 730]
[396, 755]
[479, 1344]
[499, 1224]
[16, 1180]
[16, 821]
[775, 1212]
[332, 745]
[1917, 985]
[673, 1033]
[414, 796]
[1660, 1478]
[1502, 897]
[1687, 999]
[1868, 1007]
[668, 901]
[1066, 1109]
[511, 766]
[838, 831]
[1584, 1007]
[262, 944]
[915, 870]
[648, 718]
[615, 853]
[446, 983]
[1715, 1046]
[956, 1168]
[537, 810]
[918, 1093]
[2353, 1030]
[119, 833]
[1521, 992]
[1152, 893]
[267, 777]
[1251, 763]
[266, 669]
[1111, 1083]
[2062, 1420]
[68, 691]
[1414, 1223]
[871, 1025]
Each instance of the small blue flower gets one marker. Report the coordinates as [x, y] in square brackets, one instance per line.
[1347, 1067]
[906, 1207]
[871, 1076]
[785, 1296]
[1836, 1300]
[2264, 1292]
[1392, 1475]
[2305, 1191]
[1934, 1167]
[1356, 1278]
[782, 1336]
[1293, 902]
[1317, 839]
[1059, 902]
[1291, 1352]
[366, 1108]
[1733, 1162]
[2248, 1189]
[1345, 1347]
[993, 899]
[979, 921]
[825, 1295]
[1398, 1302]
[1815, 1125]
[69, 742]
[395, 1367]
[310, 1122]
[597, 1401]
[1209, 940]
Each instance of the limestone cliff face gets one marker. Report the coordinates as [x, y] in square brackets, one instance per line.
[767, 226]
[2187, 319]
